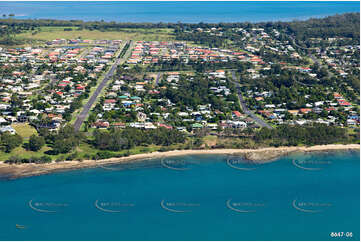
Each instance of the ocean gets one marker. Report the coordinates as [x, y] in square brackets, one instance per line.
[187, 12]
[312, 196]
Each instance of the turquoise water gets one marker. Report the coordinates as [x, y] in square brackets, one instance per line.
[185, 198]
[189, 12]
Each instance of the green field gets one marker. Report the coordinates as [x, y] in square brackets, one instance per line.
[24, 130]
[50, 33]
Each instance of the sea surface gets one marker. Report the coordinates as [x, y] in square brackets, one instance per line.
[202, 197]
[188, 12]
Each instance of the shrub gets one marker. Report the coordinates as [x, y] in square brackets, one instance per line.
[104, 155]
[36, 142]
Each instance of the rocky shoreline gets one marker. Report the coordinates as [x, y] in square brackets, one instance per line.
[265, 156]
[13, 171]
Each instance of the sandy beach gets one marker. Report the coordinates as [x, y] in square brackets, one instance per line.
[13, 171]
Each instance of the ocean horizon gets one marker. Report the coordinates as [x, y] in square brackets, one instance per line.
[302, 196]
[172, 12]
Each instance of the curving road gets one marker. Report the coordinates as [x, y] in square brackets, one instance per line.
[245, 109]
[86, 108]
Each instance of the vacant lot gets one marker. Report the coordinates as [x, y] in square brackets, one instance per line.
[50, 33]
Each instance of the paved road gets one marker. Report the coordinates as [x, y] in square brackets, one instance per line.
[85, 52]
[294, 42]
[86, 108]
[245, 109]
[316, 60]
[157, 78]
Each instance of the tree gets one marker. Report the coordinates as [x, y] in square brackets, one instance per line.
[36, 142]
[10, 141]
[63, 146]
[67, 88]
[65, 140]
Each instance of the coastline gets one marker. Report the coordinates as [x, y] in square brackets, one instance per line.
[169, 12]
[13, 171]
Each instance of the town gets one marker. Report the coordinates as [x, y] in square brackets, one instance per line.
[69, 93]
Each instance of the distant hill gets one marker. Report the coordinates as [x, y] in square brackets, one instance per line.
[345, 25]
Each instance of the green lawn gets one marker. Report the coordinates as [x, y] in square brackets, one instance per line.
[87, 150]
[24, 129]
[23, 153]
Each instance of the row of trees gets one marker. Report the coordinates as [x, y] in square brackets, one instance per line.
[199, 66]
[318, 134]
[128, 138]
[33, 159]
[62, 141]
[109, 141]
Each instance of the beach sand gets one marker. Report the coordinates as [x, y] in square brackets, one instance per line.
[12, 171]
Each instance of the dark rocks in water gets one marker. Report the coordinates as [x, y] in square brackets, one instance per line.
[264, 155]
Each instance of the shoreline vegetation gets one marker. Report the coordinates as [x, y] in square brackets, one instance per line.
[19, 32]
[262, 155]
[241, 87]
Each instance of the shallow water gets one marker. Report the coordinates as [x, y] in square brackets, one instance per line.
[201, 197]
